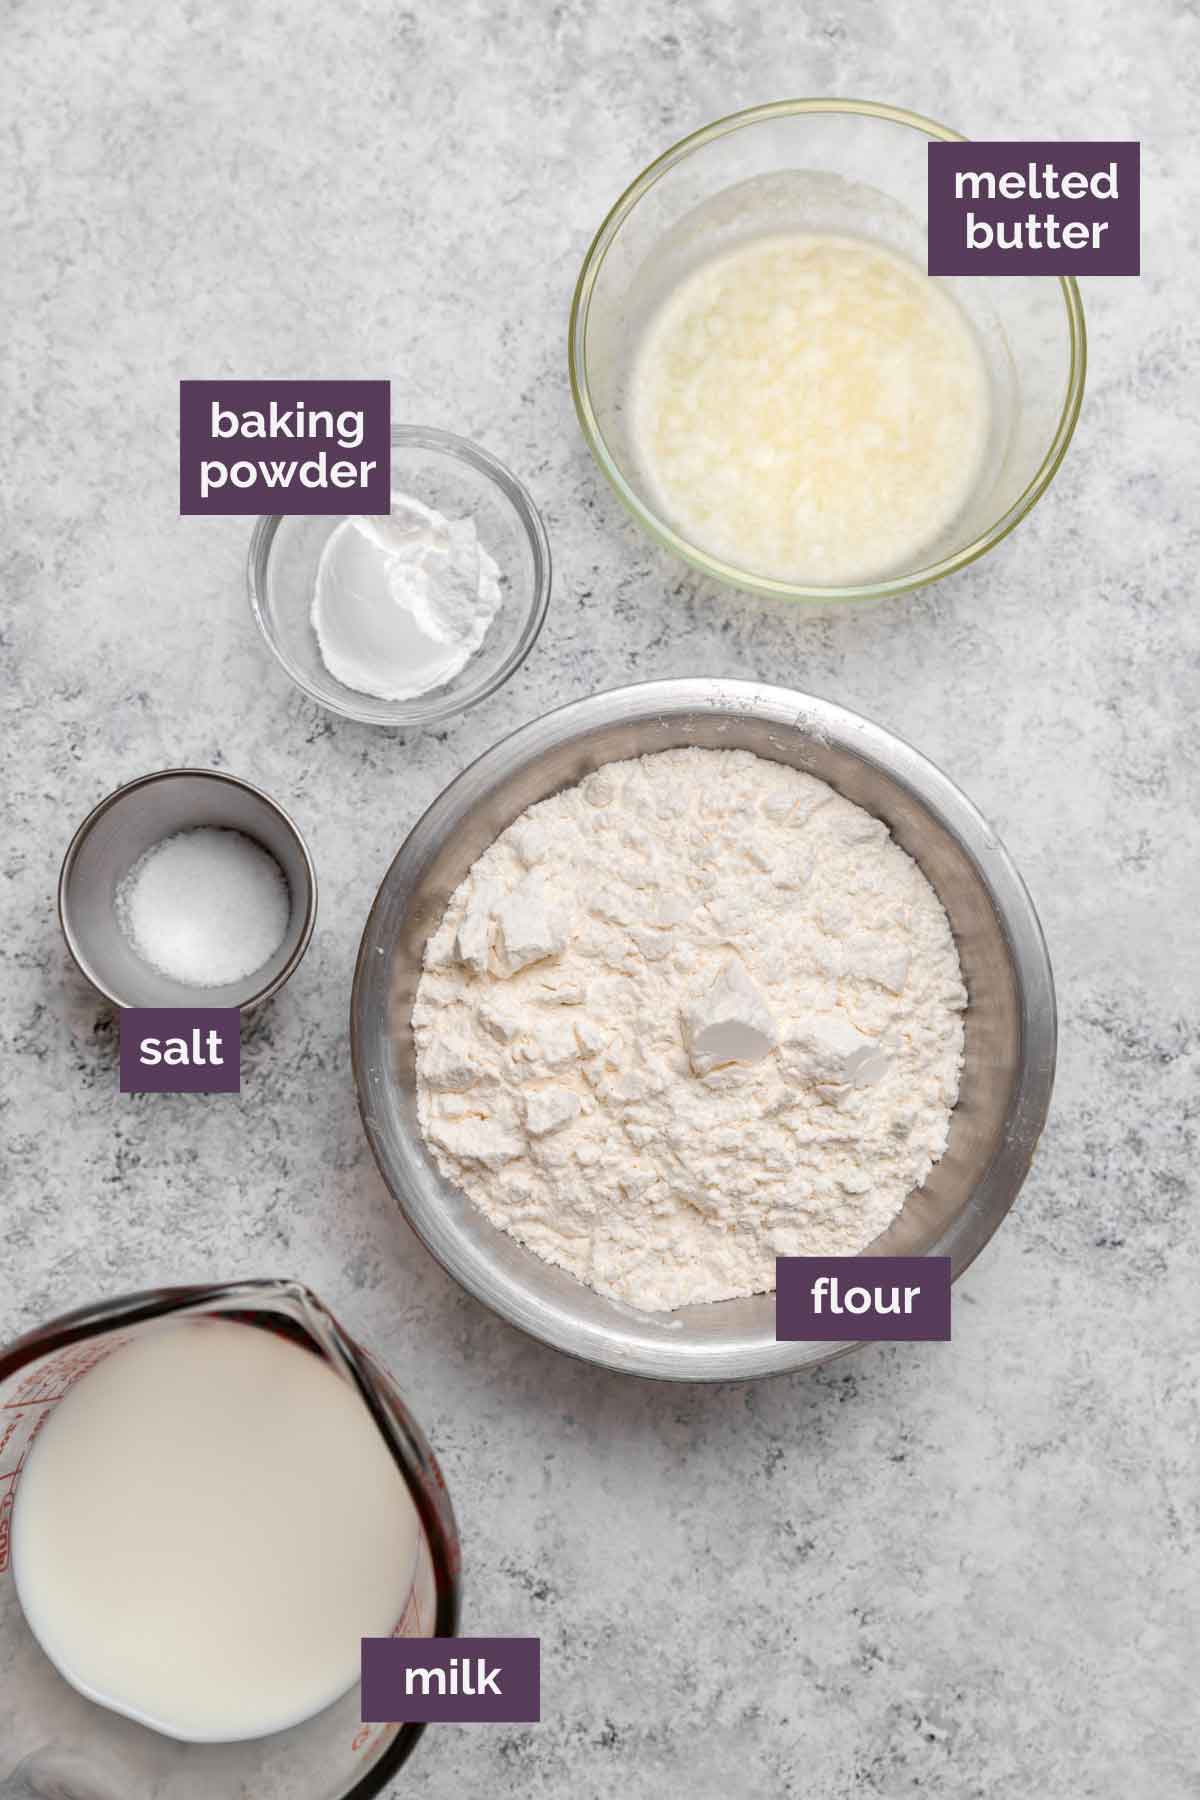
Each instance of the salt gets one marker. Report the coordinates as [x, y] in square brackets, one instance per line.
[205, 907]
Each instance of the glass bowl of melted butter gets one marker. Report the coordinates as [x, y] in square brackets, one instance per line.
[779, 392]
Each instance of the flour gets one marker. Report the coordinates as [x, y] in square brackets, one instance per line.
[697, 1012]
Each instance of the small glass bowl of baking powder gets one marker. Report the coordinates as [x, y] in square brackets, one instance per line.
[408, 619]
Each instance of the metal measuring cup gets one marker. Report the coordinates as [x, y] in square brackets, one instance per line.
[131, 821]
[57, 1745]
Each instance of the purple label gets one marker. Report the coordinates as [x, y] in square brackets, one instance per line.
[181, 1050]
[1032, 208]
[285, 447]
[492, 1680]
[841, 1299]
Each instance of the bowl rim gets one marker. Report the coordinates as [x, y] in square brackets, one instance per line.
[657, 527]
[933, 790]
[422, 711]
[84, 830]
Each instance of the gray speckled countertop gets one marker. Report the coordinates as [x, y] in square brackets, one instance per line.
[949, 1571]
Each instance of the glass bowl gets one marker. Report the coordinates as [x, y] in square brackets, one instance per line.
[456, 478]
[848, 168]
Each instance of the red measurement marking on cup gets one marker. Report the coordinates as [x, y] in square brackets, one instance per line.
[36, 1397]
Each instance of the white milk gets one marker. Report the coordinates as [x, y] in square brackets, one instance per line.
[206, 1527]
[811, 408]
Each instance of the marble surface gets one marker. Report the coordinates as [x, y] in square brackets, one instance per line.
[954, 1571]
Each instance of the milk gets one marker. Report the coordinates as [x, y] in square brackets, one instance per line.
[206, 1527]
[811, 408]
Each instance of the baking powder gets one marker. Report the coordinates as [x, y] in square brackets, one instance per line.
[402, 602]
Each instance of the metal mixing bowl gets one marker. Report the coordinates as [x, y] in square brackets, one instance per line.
[1010, 1022]
[128, 823]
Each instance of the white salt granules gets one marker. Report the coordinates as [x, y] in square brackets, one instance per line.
[205, 907]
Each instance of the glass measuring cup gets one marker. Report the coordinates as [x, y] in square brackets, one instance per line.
[57, 1745]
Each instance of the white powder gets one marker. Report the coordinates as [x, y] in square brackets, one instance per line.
[695, 1013]
[403, 602]
[205, 907]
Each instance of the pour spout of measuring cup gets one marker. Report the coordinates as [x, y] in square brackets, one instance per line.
[54, 1774]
